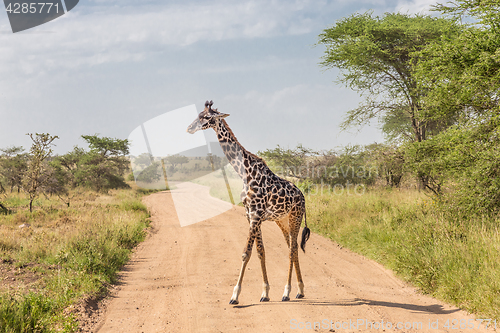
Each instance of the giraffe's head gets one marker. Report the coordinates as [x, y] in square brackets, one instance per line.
[208, 118]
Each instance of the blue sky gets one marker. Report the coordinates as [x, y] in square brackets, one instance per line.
[109, 65]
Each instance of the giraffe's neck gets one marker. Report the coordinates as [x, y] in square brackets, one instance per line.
[236, 154]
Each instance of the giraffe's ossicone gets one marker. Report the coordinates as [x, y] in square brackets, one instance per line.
[265, 197]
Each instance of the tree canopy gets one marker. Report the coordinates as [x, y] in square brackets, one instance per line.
[13, 165]
[35, 176]
[461, 77]
[107, 146]
[376, 56]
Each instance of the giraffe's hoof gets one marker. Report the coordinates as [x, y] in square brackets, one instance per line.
[285, 299]
[299, 296]
[264, 299]
[233, 301]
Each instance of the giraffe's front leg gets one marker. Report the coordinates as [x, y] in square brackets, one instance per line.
[262, 256]
[247, 252]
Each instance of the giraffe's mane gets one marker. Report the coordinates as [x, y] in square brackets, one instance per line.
[243, 148]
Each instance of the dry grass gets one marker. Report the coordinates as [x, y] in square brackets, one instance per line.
[63, 253]
[456, 261]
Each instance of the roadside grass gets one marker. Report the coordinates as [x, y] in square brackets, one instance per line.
[456, 261]
[71, 253]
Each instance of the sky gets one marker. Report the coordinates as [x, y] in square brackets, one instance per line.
[108, 66]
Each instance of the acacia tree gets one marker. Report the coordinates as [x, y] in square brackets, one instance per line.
[101, 168]
[70, 160]
[389, 161]
[146, 169]
[376, 56]
[462, 76]
[106, 146]
[56, 180]
[151, 173]
[143, 160]
[13, 165]
[176, 160]
[39, 152]
[287, 162]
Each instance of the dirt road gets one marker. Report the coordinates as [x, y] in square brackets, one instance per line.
[181, 280]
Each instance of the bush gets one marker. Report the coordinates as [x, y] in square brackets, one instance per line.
[463, 167]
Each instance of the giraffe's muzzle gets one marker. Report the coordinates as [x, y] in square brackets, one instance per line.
[194, 127]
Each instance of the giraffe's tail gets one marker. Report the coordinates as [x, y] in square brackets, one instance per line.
[306, 232]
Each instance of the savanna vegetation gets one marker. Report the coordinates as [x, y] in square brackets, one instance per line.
[425, 203]
[67, 225]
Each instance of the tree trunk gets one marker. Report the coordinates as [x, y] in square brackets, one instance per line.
[419, 129]
[422, 181]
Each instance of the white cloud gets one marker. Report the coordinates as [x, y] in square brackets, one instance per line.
[108, 33]
[111, 31]
[100, 68]
[415, 6]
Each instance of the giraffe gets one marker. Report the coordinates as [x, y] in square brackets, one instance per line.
[265, 197]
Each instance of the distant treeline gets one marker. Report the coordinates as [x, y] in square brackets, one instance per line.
[375, 164]
[37, 171]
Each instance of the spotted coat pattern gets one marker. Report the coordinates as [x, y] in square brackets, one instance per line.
[266, 197]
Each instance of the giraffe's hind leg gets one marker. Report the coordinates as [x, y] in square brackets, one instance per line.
[285, 229]
[300, 282]
[295, 220]
[284, 225]
[293, 262]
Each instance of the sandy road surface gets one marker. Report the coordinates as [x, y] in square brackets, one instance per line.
[181, 280]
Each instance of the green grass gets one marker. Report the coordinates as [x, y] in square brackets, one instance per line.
[89, 243]
[26, 313]
[456, 261]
